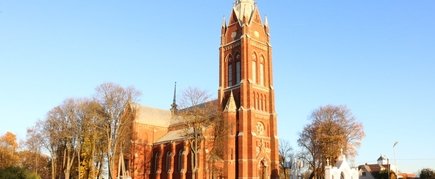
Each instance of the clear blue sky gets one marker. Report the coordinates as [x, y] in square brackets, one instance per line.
[375, 56]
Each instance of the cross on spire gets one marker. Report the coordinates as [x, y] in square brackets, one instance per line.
[245, 1]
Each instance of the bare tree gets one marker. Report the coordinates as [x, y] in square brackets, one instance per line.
[91, 140]
[116, 104]
[71, 125]
[51, 139]
[285, 156]
[86, 132]
[34, 145]
[332, 128]
[198, 114]
[62, 131]
[216, 142]
[87, 117]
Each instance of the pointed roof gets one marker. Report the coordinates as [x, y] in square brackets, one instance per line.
[231, 104]
[174, 100]
[381, 158]
[152, 116]
[244, 8]
[342, 162]
[224, 23]
[266, 22]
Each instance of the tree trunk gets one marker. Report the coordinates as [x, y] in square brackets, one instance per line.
[78, 163]
[192, 163]
[36, 161]
[53, 168]
[91, 173]
[109, 168]
[67, 169]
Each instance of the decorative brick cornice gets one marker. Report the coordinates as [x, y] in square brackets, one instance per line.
[231, 45]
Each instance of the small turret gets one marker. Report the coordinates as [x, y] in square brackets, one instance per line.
[224, 23]
[174, 105]
[223, 28]
[266, 22]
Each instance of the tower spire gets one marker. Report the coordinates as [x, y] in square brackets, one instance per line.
[244, 1]
[248, 108]
[224, 23]
[244, 9]
[174, 101]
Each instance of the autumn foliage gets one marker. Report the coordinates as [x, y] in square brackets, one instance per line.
[82, 137]
[8, 154]
[332, 129]
[15, 163]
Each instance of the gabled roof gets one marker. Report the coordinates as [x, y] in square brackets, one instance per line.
[211, 108]
[342, 162]
[231, 104]
[172, 136]
[153, 116]
[374, 168]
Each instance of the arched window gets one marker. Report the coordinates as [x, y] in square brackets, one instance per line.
[261, 102]
[168, 161]
[254, 68]
[262, 172]
[266, 102]
[230, 71]
[180, 160]
[156, 162]
[238, 72]
[262, 71]
[256, 101]
[238, 69]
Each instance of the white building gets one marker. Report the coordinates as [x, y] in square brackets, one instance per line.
[373, 171]
[341, 170]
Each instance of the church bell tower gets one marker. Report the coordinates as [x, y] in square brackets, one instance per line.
[246, 94]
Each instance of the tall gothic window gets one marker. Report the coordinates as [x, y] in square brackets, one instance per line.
[230, 71]
[255, 101]
[262, 71]
[238, 69]
[180, 160]
[230, 74]
[254, 68]
[156, 162]
[261, 102]
[168, 161]
[238, 73]
[262, 172]
[266, 102]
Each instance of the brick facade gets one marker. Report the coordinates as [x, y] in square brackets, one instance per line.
[246, 74]
[246, 97]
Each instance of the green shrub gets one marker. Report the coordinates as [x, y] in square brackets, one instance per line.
[17, 173]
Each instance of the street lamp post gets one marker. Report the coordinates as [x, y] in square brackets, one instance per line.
[394, 153]
[388, 169]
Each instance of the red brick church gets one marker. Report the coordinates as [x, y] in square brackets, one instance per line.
[246, 99]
